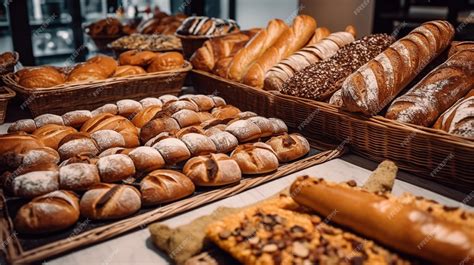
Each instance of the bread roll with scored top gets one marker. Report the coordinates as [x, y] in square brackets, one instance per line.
[107, 121]
[319, 81]
[375, 84]
[436, 92]
[45, 119]
[115, 150]
[146, 159]
[173, 150]
[106, 139]
[459, 119]
[78, 176]
[203, 102]
[291, 40]
[52, 134]
[225, 112]
[289, 147]
[212, 170]
[204, 116]
[311, 54]
[77, 143]
[145, 115]
[107, 108]
[24, 125]
[157, 126]
[264, 124]
[86, 72]
[139, 58]
[191, 129]
[76, 118]
[218, 101]
[128, 70]
[107, 64]
[198, 144]
[255, 48]
[256, 158]
[319, 34]
[13, 147]
[116, 167]
[161, 186]
[43, 155]
[40, 77]
[51, 212]
[166, 61]
[128, 107]
[36, 181]
[279, 126]
[80, 158]
[411, 228]
[148, 102]
[224, 141]
[110, 201]
[244, 130]
[160, 137]
[186, 118]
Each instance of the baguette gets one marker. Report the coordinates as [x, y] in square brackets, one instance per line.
[319, 34]
[394, 222]
[311, 54]
[254, 48]
[375, 84]
[457, 46]
[290, 41]
[459, 119]
[436, 92]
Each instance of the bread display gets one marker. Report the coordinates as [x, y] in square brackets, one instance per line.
[311, 54]
[375, 84]
[145, 42]
[289, 147]
[459, 119]
[51, 212]
[207, 26]
[319, 81]
[161, 186]
[436, 92]
[290, 41]
[212, 170]
[256, 158]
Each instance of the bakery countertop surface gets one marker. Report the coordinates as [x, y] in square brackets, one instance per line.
[136, 247]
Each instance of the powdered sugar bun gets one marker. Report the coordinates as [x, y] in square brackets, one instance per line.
[115, 167]
[76, 118]
[146, 158]
[128, 107]
[24, 125]
[148, 102]
[78, 176]
[107, 139]
[48, 119]
[107, 108]
[198, 144]
[35, 183]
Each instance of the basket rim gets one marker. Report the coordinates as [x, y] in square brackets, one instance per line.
[9, 80]
[375, 120]
[9, 93]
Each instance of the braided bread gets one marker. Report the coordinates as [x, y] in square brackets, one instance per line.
[376, 83]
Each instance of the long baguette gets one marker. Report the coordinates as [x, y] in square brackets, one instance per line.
[289, 42]
[459, 119]
[436, 92]
[376, 83]
[402, 226]
[254, 48]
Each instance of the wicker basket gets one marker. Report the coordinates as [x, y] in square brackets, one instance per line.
[425, 152]
[90, 95]
[5, 95]
[191, 44]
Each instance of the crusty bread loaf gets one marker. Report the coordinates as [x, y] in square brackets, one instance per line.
[52, 134]
[289, 147]
[157, 126]
[186, 118]
[198, 144]
[43, 155]
[106, 139]
[457, 46]
[409, 228]
[146, 159]
[145, 115]
[164, 185]
[212, 170]
[291, 40]
[173, 150]
[76, 118]
[256, 158]
[77, 143]
[23, 125]
[319, 34]
[244, 130]
[51, 212]
[48, 118]
[151, 101]
[311, 54]
[224, 141]
[459, 119]
[128, 108]
[255, 48]
[436, 92]
[35, 181]
[116, 167]
[78, 176]
[14, 145]
[107, 121]
[375, 84]
[225, 112]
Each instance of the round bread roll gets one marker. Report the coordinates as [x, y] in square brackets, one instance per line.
[224, 141]
[40, 77]
[213, 122]
[115, 150]
[77, 143]
[122, 125]
[198, 144]
[204, 116]
[106, 139]
[134, 57]
[264, 124]
[168, 98]
[157, 126]
[45, 119]
[52, 134]
[289, 147]
[161, 186]
[218, 101]
[107, 108]
[13, 146]
[244, 130]
[85, 72]
[186, 118]
[114, 168]
[44, 155]
[175, 106]
[107, 64]
[246, 114]
[190, 129]
[166, 61]
[128, 70]
[173, 150]
[212, 170]
[185, 97]
[225, 112]
[279, 126]
[110, 201]
[204, 103]
[80, 158]
[36, 183]
[78, 176]
[215, 130]
[256, 158]
[146, 159]
[76, 118]
[159, 137]
[128, 107]
[24, 125]
[148, 102]
[51, 212]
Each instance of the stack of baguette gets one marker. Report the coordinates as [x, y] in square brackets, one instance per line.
[105, 167]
